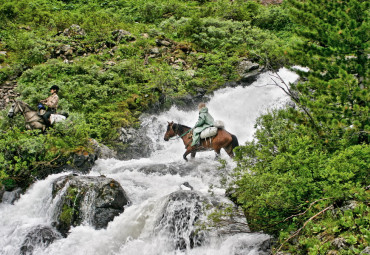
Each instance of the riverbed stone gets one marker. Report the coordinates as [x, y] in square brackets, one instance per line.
[91, 200]
[248, 70]
[180, 215]
[39, 236]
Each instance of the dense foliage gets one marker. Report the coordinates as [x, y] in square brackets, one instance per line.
[307, 162]
[295, 180]
[111, 67]
[108, 81]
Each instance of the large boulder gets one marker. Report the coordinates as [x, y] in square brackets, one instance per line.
[134, 143]
[38, 237]
[248, 71]
[178, 220]
[102, 151]
[9, 197]
[89, 200]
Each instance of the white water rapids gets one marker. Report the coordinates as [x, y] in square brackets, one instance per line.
[133, 231]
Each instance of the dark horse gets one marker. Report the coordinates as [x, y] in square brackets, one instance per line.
[222, 139]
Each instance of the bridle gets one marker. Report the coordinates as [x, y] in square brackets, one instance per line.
[177, 130]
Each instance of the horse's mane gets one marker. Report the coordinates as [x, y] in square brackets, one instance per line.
[181, 128]
[26, 105]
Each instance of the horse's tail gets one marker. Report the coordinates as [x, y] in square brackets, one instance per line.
[234, 142]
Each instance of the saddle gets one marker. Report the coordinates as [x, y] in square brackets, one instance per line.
[208, 132]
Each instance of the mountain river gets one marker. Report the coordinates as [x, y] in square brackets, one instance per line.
[141, 228]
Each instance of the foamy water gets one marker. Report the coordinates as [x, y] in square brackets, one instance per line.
[133, 231]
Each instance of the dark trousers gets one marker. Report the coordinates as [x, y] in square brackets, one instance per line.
[47, 114]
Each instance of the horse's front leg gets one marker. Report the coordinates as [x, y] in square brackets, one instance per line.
[187, 152]
[193, 154]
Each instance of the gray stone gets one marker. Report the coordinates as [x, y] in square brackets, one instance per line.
[9, 197]
[180, 215]
[340, 243]
[248, 70]
[74, 30]
[366, 250]
[120, 34]
[93, 200]
[154, 50]
[2, 190]
[135, 143]
[165, 43]
[40, 236]
[102, 151]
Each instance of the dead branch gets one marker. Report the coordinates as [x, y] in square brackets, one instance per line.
[299, 230]
[299, 214]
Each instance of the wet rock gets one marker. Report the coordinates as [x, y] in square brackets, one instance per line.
[9, 197]
[84, 161]
[2, 190]
[178, 220]
[40, 236]
[186, 186]
[248, 71]
[102, 151]
[135, 143]
[94, 201]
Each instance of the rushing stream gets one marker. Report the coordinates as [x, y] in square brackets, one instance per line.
[146, 226]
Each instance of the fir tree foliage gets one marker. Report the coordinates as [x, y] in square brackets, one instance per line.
[307, 161]
[334, 45]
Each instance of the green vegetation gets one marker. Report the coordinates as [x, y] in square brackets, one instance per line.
[306, 163]
[111, 67]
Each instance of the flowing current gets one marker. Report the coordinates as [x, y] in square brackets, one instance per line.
[148, 182]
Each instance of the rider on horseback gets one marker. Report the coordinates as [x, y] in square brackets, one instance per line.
[205, 120]
[51, 102]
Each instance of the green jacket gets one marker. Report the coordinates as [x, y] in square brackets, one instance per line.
[205, 120]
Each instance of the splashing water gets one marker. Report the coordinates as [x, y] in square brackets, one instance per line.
[145, 225]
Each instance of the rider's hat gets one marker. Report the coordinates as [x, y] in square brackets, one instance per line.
[54, 87]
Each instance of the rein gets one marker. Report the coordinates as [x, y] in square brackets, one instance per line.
[179, 136]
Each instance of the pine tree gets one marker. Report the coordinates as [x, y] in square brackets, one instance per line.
[334, 45]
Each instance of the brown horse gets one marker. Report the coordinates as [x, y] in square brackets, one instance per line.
[222, 139]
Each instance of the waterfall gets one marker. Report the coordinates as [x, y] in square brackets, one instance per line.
[160, 217]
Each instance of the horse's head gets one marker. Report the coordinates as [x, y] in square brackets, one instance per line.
[14, 109]
[170, 131]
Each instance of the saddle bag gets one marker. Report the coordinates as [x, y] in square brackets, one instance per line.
[219, 124]
[54, 118]
[208, 132]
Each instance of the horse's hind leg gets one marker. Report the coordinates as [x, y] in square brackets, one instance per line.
[193, 154]
[229, 150]
[218, 154]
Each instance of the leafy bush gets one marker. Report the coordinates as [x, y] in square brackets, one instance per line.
[288, 168]
[24, 153]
